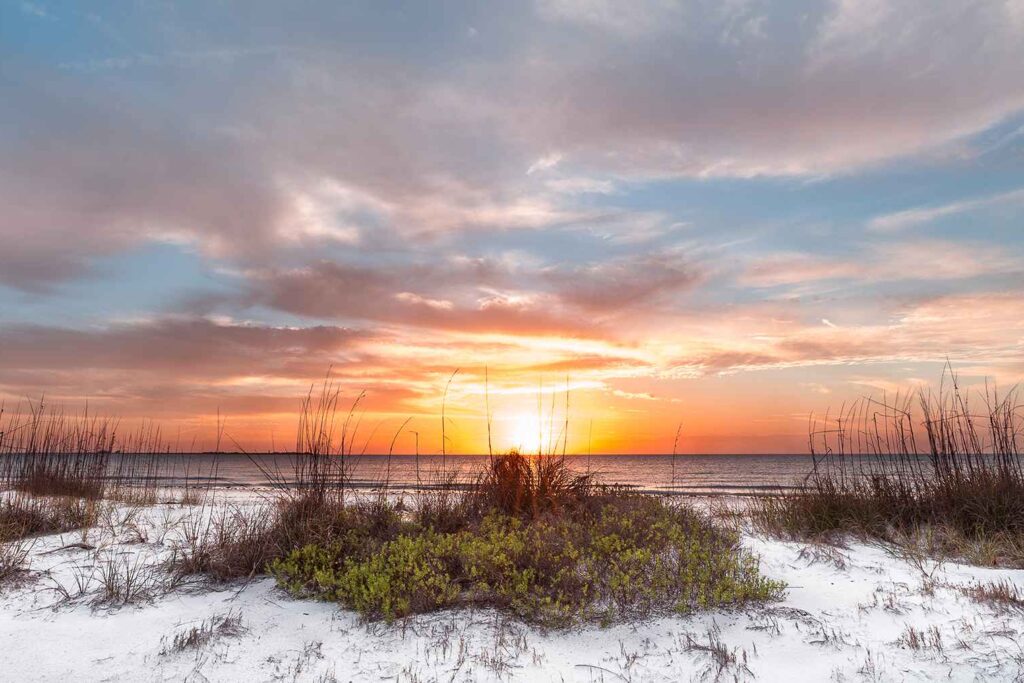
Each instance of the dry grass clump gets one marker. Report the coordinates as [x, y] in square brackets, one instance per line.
[80, 476]
[197, 637]
[224, 543]
[722, 660]
[233, 542]
[955, 490]
[13, 559]
[1003, 595]
[113, 578]
[23, 515]
[127, 580]
[313, 503]
[519, 485]
[984, 503]
[444, 508]
[47, 452]
[921, 639]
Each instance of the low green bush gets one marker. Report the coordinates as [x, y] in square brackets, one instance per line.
[632, 557]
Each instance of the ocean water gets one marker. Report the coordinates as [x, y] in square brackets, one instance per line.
[682, 474]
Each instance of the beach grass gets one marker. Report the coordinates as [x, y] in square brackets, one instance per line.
[952, 488]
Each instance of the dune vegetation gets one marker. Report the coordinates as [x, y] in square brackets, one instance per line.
[931, 473]
[529, 536]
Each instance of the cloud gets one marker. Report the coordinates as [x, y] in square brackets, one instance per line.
[88, 174]
[580, 185]
[176, 370]
[891, 261]
[195, 348]
[909, 218]
[34, 9]
[182, 368]
[544, 163]
[637, 19]
[856, 85]
[620, 284]
[448, 298]
[247, 143]
[416, 299]
[476, 294]
[796, 268]
[961, 327]
[932, 259]
[634, 396]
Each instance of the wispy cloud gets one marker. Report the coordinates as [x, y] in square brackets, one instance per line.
[890, 261]
[909, 218]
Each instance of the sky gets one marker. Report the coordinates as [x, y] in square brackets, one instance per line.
[724, 214]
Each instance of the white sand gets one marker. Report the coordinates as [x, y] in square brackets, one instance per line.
[839, 623]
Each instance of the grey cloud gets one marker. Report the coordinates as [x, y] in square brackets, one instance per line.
[616, 284]
[816, 90]
[184, 347]
[477, 294]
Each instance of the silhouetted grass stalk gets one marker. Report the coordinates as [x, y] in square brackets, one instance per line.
[48, 452]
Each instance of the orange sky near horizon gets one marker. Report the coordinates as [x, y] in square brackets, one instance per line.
[713, 413]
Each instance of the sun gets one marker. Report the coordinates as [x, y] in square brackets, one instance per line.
[527, 433]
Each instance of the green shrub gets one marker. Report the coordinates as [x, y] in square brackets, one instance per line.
[240, 542]
[631, 558]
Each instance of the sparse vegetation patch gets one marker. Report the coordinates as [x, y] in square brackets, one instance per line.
[946, 478]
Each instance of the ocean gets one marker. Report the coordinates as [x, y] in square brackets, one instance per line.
[681, 474]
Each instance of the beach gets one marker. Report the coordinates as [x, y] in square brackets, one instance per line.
[862, 612]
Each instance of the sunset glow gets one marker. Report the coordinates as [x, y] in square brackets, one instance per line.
[609, 222]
